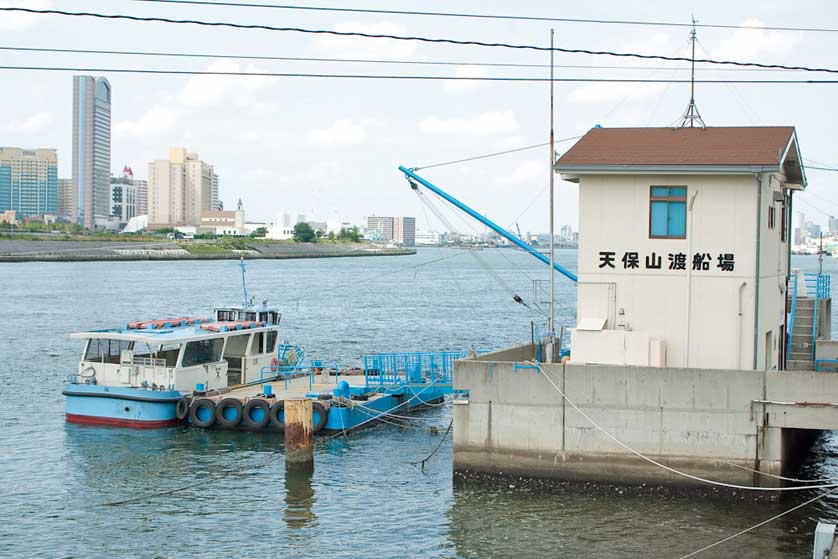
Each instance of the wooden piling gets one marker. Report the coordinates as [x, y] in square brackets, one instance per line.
[299, 451]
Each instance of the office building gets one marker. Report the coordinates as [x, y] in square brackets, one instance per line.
[91, 151]
[180, 190]
[65, 199]
[404, 231]
[380, 227]
[28, 181]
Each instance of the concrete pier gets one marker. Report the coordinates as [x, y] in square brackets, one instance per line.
[724, 425]
[299, 435]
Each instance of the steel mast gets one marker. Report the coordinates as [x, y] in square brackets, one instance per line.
[551, 331]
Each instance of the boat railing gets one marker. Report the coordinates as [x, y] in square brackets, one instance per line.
[273, 373]
[147, 362]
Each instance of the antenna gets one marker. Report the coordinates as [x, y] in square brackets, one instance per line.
[691, 115]
[552, 316]
[244, 283]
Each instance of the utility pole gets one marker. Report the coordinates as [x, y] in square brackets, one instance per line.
[550, 321]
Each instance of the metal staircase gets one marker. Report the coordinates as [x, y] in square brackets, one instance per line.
[803, 320]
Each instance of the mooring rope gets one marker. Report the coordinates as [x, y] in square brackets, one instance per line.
[654, 462]
[436, 449]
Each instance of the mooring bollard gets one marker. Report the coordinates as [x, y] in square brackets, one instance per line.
[299, 452]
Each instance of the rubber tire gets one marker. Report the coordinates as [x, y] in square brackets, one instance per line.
[193, 413]
[278, 407]
[324, 416]
[256, 403]
[182, 408]
[225, 404]
[324, 397]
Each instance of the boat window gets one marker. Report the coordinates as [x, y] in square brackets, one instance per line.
[271, 346]
[226, 315]
[169, 352]
[202, 351]
[259, 343]
[105, 351]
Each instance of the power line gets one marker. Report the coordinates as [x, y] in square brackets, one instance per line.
[395, 76]
[359, 60]
[492, 16]
[820, 168]
[476, 157]
[414, 38]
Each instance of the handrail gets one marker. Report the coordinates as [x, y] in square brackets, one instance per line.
[791, 317]
[815, 314]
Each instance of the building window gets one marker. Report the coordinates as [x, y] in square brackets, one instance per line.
[771, 216]
[668, 212]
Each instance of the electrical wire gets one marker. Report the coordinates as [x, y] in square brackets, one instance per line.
[494, 16]
[358, 60]
[393, 76]
[763, 523]
[601, 429]
[411, 38]
[476, 157]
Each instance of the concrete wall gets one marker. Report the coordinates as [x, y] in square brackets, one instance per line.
[676, 305]
[707, 422]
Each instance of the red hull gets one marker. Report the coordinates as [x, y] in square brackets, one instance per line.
[115, 422]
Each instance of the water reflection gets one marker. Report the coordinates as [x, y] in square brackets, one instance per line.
[299, 498]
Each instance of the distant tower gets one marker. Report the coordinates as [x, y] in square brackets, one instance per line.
[240, 206]
[691, 116]
[91, 150]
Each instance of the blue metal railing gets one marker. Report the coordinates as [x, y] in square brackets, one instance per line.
[410, 367]
[820, 284]
[793, 281]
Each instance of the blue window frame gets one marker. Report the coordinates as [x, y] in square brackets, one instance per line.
[668, 212]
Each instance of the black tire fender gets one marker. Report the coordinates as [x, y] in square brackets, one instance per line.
[193, 413]
[323, 416]
[276, 409]
[257, 403]
[226, 404]
[182, 408]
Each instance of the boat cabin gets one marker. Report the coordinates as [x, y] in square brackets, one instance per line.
[182, 353]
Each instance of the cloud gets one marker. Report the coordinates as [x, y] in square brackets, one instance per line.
[600, 92]
[343, 132]
[19, 21]
[361, 47]
[466, 72]
[153, 121]
[529, 171]
[32, 125]
[486, 123]
[751, 44]
[207, 91]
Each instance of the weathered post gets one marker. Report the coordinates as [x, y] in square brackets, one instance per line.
[299, 452]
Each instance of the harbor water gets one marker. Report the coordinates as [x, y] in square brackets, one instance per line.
[76, 491]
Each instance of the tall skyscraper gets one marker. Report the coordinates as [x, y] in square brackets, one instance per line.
[65, 198]
[404, 230]
[180, 189]
[91, 151]
[28, 181]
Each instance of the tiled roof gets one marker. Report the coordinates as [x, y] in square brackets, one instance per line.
[720, 146]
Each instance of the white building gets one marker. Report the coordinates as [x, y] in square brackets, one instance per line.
[180, 189]
[683, 251]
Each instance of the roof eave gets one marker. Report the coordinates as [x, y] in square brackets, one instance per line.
[573, 172]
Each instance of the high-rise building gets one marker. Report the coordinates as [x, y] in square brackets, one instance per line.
[65, 199]
[140, 190]
[383, 227]
[92, 151]
[833, 225]
[123, 199]
[404, 231]
[180, 189]
[28, 181]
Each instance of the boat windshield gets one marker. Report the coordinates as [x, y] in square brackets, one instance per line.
[200, 352]
[102, 350]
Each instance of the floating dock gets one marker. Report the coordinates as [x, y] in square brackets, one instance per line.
[343, 399]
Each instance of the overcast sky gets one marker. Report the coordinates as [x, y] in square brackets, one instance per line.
[331, 148]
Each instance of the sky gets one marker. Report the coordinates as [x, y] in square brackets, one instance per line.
[330, 148]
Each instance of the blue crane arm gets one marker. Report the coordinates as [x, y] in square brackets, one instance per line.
[487, 222]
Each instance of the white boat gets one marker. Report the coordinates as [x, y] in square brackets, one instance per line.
[136, 374]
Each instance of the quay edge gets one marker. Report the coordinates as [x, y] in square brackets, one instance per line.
[730, 426]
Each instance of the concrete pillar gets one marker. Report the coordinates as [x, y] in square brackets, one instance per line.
[299, 452]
